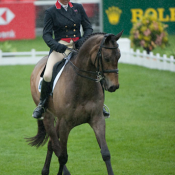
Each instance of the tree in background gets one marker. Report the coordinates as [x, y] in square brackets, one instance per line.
[149, 33]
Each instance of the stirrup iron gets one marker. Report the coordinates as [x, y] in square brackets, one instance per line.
[107, 110]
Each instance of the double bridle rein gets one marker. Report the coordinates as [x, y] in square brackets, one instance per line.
[98, 73]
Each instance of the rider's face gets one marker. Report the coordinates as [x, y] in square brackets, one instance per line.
[65, 2]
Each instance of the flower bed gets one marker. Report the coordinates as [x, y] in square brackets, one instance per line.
[149, 33]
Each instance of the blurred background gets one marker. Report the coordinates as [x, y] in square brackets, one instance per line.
[108, 16]
[23, 20]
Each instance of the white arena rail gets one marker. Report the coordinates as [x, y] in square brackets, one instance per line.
[21, 58]
[151, 61]
[128, 56]
[148, 60]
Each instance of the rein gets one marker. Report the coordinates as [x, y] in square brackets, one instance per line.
[98, 73]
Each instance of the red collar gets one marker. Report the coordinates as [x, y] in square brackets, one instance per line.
[58, 5]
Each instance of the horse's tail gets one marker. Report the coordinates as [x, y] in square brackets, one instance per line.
[41, 137]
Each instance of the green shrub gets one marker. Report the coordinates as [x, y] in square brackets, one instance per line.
[7, 47]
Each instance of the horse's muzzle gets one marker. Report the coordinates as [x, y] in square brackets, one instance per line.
[113, 88]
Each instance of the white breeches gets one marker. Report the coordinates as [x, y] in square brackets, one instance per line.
[54, 57]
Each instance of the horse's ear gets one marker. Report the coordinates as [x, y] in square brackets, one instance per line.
[108, 37]
[118, 35]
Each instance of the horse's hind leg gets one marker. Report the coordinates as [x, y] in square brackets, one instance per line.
[98, 126]
[45, 170]
[53, 145]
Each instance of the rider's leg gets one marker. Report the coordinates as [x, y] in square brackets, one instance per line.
[46, 87]
[53, 58]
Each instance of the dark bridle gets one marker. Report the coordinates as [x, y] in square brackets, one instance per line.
[98, 73]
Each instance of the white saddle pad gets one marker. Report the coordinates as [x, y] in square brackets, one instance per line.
[56, 78]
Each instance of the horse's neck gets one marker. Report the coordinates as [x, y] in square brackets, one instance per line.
[82, 84]
[83, 62]
[83, 59]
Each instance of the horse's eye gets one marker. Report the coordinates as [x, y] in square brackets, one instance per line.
[107, 59]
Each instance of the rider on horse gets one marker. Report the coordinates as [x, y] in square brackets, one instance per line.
[64, 20]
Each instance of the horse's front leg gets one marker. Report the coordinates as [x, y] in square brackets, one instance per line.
[98, 125]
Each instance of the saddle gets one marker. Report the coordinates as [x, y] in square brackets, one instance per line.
[57, 70]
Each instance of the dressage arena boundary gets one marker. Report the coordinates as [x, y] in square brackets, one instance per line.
[128, 56]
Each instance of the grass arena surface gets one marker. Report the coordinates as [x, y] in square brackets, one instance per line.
[140, 132]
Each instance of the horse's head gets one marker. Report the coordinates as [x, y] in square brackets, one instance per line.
[106, 61]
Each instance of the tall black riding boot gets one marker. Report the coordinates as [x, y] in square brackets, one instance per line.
[46, 89]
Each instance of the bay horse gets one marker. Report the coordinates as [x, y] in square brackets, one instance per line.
[78, 98]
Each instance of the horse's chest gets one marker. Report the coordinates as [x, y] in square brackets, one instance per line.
[80, 114]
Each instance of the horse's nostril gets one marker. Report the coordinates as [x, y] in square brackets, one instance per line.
[113, 88]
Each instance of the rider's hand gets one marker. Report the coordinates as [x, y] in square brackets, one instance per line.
[78, 44]
[61, 48]
[71, 49]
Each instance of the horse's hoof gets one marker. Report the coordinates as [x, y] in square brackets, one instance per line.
[66, 173]
[45, 171]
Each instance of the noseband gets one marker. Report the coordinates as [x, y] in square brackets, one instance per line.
[98, 73]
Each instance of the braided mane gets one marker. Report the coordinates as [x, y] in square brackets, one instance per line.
[93, 34]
